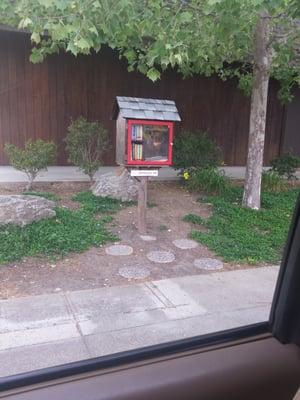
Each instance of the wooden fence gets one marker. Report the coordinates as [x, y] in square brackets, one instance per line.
[38, 101]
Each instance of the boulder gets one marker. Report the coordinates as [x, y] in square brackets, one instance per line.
[118, 185]
[22, 209]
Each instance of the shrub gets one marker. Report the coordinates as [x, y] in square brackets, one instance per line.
[36, 156]
[195, 150]
[86, 142]
[272, 181]
[209, 180]
[286, 165]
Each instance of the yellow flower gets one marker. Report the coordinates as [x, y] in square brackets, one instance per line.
[186, 175]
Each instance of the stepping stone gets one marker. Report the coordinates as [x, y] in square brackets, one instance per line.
[185, 244]
[147, 238]
[161, 257]
[134, 272]
[119, 250]
[209, 264]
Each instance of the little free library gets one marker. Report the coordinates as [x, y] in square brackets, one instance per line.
[144, 131]
[144, 140]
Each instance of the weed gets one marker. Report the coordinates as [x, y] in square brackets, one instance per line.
[194, 219]
[273, 182]
[286, 165]
[209, 180]
[107, 219]
[96, 204]
[163, 228]
[151, 204]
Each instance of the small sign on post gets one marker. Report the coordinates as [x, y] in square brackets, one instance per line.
[144, 172]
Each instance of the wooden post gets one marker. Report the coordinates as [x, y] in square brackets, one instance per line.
[142, 205]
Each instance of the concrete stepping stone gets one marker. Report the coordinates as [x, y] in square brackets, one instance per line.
[134, 272]
[185, 244]
[147, 238]
[208, 264]
[161, 257]
[119, 250]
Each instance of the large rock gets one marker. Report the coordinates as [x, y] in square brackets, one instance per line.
[118, 185]
[22, 209]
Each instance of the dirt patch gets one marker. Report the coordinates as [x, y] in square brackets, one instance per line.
[64, 190]
[169, 203]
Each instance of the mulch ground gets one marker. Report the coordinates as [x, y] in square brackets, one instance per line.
[94, 268]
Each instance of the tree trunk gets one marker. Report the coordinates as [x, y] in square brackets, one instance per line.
[30, 182]
[258, 112]
[91, 179]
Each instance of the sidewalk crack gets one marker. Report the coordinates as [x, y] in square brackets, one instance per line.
[77, 324]
[159, 295]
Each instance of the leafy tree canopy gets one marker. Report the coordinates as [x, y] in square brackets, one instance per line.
[193, 36]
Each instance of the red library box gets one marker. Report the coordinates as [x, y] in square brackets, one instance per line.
[144, 131]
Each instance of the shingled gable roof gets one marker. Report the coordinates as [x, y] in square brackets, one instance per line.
[140, 108]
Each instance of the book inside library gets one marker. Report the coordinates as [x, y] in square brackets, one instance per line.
[149, 142]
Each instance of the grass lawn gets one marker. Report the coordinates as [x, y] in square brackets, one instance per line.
[242, 235]
[70, 230]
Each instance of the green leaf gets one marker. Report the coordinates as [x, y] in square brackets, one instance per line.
[61, 4]
[186, 16]
[153, 74]
[195, 37]
[96, 4]
[178, 58]
[93, 30]
[130, 55]
[36, 57]
[46, 3]
[24, 23]
[72, 48]
[82, 44]
[35, 37]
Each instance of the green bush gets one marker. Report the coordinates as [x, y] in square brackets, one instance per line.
[36, 156]
[273, 182]
[195, 150]
[286, 165]
[85, 143]
[209, 180]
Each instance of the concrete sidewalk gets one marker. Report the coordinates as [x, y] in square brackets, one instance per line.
[65, 174]
[68, 174]
[48, 330]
